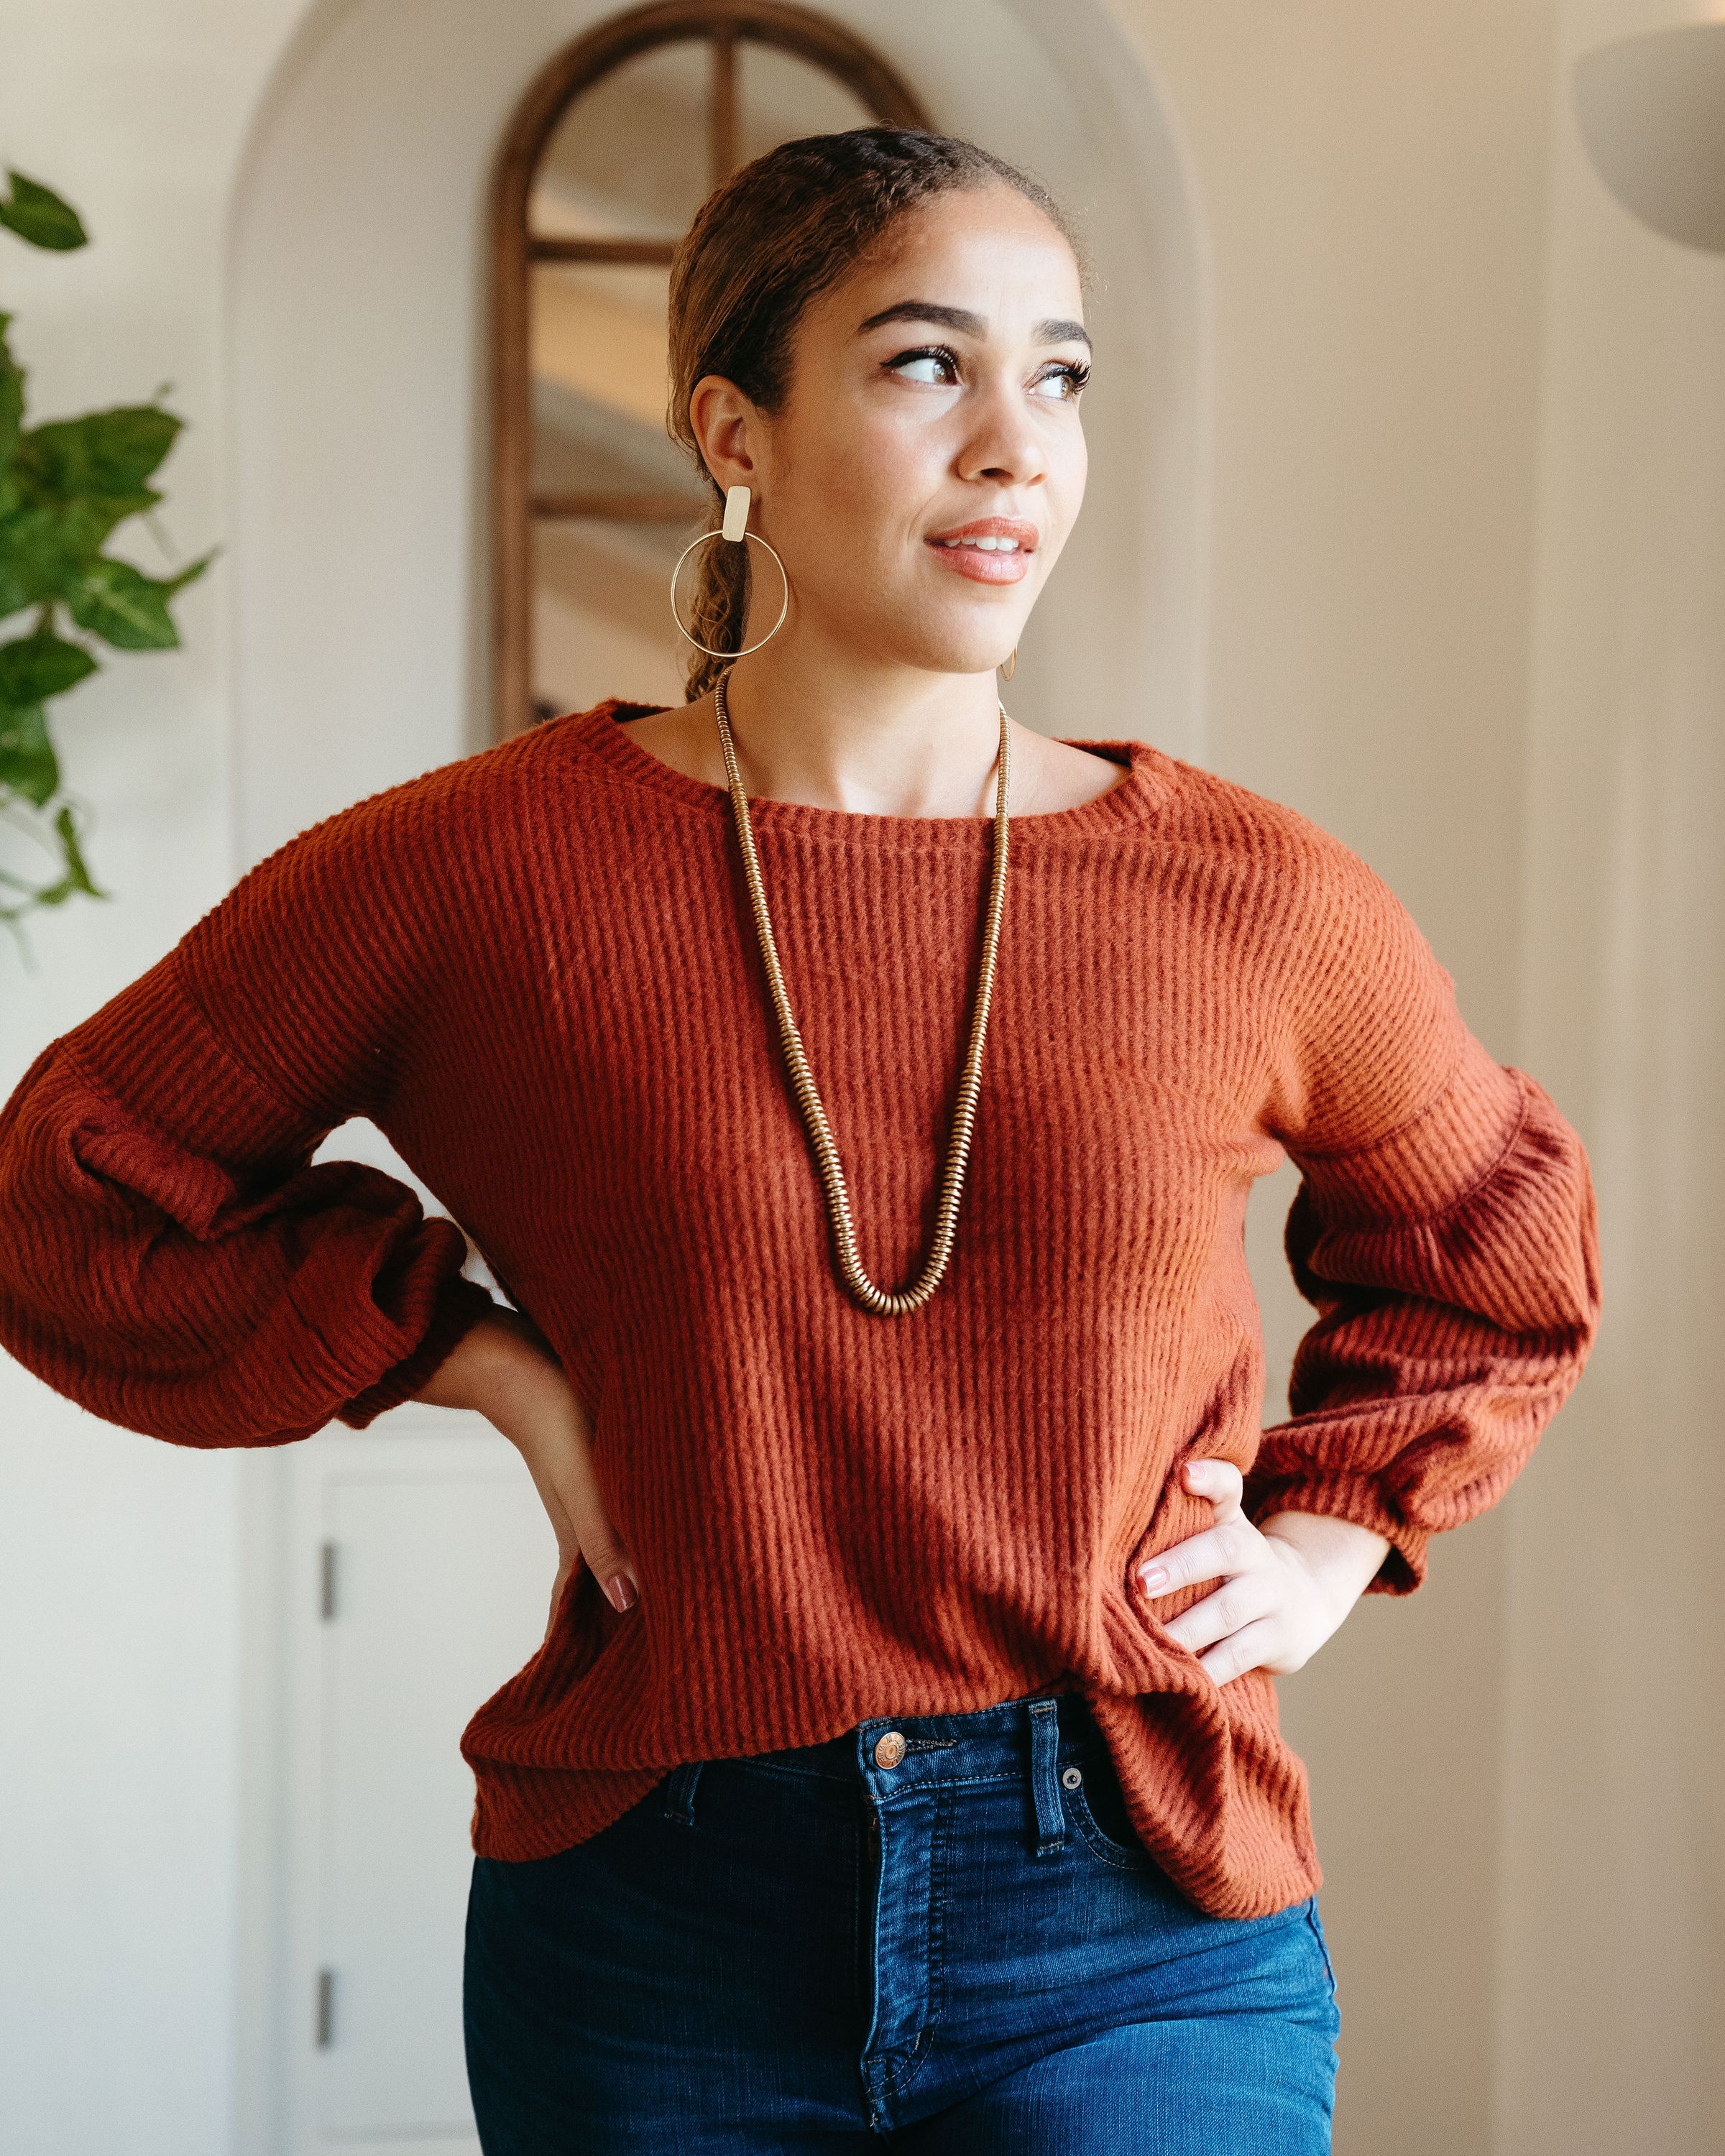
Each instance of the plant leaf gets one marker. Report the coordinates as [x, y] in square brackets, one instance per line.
[36, 214]
[123, 606]
[28, 762]
[47, 552]
[35, 668]
[12, 396]
[190, 574]
[77, 875]
[68, 485]
[103, 453]
[13, 594]
[37, 557]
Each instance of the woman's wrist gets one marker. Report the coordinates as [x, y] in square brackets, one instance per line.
[501, 1367]
[1342, 1556]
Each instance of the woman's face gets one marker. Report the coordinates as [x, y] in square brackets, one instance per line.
[933, 397]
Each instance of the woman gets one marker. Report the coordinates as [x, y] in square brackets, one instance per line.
[857, 1095]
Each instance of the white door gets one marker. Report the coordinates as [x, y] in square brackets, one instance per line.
[419, 1565]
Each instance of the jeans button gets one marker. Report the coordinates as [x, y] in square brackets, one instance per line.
[889, 1749]
[1071, 1776]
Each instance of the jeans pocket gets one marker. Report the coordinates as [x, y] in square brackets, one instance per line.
[1097, 1809]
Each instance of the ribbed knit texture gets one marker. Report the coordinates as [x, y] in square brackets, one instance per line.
[536, 969]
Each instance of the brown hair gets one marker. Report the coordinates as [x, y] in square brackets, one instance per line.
[780, 231]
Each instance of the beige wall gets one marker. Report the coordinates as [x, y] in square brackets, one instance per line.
[1462, 551]
[1612, 1921]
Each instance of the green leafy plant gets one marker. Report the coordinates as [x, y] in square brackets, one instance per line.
[64, 486]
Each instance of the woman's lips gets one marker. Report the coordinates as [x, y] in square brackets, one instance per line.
[983, 566]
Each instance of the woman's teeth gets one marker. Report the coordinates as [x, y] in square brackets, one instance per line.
[988, 546]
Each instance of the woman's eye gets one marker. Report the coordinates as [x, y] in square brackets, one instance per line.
[1064, 384]
[936, 365]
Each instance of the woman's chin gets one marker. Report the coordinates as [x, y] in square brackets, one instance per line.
[930, 639]
[965, 651]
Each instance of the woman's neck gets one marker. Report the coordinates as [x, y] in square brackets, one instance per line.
[894, 741]
[902, 742]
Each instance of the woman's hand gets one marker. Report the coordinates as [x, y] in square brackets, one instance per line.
[503, 1367]
[1290, 1581]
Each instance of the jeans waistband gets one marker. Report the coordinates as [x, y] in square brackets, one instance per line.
[900, 1751]
[1039, 1738]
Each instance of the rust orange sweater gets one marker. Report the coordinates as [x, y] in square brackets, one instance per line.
[536, 970]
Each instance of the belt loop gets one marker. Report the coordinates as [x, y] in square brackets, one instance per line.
[680, 1792]
[1045, 1751]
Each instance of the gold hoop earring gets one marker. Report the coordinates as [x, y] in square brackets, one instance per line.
[736, 513]
[1010, 665]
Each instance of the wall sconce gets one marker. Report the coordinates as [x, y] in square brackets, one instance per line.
[1652, 113]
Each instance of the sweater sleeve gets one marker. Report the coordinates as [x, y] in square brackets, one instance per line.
[1444, 1229]
[169, 1256]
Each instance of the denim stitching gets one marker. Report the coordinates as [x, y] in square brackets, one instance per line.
[1103, 1843]
[899, 2079]
[1318, 1933]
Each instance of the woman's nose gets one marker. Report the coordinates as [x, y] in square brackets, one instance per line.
[1003, 444]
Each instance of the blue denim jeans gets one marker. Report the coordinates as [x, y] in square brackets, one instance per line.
[951, 1943]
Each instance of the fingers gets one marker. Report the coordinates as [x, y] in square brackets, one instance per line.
[608, 1558]
[557, 1448]
[1221, 1481]
[1255, 1645]
[1239, 1624]
[1215, 1554]
[1240, 1602]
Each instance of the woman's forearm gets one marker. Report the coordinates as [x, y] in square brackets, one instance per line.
[504, 1369]
[501, 1367]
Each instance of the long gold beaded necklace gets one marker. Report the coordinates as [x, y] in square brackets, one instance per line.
[832, 1173]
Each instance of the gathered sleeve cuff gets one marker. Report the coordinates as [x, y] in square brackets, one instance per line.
[171, 1259]
[1447, 1234]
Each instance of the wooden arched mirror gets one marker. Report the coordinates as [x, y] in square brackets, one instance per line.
[608, 156]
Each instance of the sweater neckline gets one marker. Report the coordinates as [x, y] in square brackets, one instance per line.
[1130, 801]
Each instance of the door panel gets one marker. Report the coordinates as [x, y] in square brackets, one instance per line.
[421, 1568]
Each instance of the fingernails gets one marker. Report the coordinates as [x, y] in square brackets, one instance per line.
[1154, 1575]
[621, 1589]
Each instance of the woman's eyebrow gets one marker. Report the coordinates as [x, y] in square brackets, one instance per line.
[1054, 330]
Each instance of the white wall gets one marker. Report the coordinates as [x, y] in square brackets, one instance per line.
[119, 1587]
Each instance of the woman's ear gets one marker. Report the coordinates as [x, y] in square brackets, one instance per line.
[729, 430]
